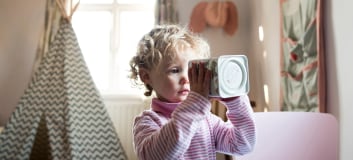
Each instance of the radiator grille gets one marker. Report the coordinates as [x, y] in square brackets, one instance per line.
[122, 112]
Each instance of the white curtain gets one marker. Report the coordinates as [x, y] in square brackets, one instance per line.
[166, 12]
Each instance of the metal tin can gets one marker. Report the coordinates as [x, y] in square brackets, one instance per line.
[230, 76]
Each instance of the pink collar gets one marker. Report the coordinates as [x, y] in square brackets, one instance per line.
[164, 108]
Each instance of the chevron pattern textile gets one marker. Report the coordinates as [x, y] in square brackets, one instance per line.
[61, 114]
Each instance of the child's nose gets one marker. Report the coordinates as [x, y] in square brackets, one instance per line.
[184, 79]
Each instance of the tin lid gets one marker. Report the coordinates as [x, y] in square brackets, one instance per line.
[233, 75]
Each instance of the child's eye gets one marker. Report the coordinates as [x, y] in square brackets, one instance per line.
[174, 70]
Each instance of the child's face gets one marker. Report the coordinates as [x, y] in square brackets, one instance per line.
[170, 81]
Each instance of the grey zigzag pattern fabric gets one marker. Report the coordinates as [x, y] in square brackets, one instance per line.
[61, 114]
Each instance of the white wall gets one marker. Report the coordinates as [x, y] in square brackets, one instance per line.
[339, 40]
[20, 25]
[239, 43]
[267, 52]
[21, 22]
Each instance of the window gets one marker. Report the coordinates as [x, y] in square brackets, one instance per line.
[108, 32]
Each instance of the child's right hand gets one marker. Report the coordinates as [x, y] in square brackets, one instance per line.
[199, 78]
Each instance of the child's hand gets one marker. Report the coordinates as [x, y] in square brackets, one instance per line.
[200, 78]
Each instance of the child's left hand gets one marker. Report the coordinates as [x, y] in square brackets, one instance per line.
[200, 78]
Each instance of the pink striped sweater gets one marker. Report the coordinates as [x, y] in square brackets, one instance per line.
[188, 130]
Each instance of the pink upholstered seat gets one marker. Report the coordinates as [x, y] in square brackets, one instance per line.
[295, 136]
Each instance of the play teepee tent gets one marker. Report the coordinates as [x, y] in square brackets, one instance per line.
[61, 114]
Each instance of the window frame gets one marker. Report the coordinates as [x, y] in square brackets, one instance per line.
[116, 9]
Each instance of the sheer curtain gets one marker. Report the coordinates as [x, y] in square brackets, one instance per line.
[166, 12]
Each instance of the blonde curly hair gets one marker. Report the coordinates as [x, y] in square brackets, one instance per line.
[163, 43]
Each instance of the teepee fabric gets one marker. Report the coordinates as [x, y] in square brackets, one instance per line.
[61, 114]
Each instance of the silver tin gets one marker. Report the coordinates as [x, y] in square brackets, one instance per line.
[230, 76]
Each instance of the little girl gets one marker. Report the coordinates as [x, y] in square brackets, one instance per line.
[179, 124]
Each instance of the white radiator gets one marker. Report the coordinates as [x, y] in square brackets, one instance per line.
[122, 111]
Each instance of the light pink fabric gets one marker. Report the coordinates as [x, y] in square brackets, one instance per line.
[190, 131]
[295, 136]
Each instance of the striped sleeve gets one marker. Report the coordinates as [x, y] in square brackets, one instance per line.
[236, 136]
[155, 140]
